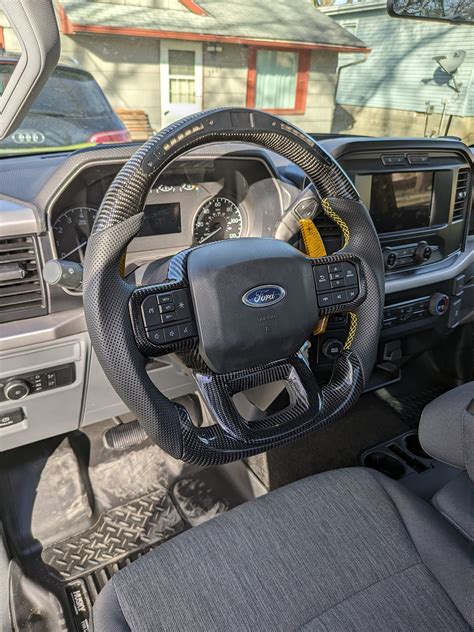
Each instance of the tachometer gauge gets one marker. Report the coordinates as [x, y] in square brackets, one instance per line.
[71, 231]
[219, 218]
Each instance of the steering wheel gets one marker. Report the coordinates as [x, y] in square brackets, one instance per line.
[240, 309]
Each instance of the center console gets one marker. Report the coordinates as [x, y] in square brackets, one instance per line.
[419, 198]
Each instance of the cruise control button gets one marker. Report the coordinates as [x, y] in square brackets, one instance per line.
[150, 311]
[171, 333]
[164, 298]
[352, 293]
[324, 300]
[339, 297]
[169, 317]
[166, 307]
[349, 273]
[321, 277]
[181, 302]
[186, 330]
[156, 336]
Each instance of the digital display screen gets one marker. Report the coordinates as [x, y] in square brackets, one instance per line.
[161, 219]
[401, 201]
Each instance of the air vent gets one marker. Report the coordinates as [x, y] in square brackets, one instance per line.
[330, 233]
[462, 192]
[21, 289]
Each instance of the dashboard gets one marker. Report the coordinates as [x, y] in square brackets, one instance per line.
[418, 191]
[196, 200]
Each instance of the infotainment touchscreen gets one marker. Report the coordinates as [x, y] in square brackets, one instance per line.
[161, 219]
[401, 201]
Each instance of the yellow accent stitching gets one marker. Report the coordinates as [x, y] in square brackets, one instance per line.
[337, 220]
[352, 331]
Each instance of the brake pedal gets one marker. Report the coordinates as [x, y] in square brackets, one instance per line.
[124, 436]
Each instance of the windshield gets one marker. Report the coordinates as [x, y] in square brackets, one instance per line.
[334, 67]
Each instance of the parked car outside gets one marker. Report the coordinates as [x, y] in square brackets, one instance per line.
[69, 113]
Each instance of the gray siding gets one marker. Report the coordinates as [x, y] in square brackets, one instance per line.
[400, 72]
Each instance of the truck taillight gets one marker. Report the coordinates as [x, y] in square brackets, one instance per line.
[112, 136]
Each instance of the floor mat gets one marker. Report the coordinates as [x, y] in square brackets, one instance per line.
[409, 406]
[75, 511]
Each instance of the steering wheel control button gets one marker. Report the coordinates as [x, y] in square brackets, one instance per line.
[349, 274]
[331, 348]
[151, 312]
[339, 297]
[169, 317]
[181, 302]
[164, 298]
[186, 330]
[156, 336]
[321, 276]
[352, 293]
[325, 300]
[337, 283]
[166, 307]
[334, 268]
[171, 334]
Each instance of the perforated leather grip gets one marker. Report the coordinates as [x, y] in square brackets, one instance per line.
[107, 295]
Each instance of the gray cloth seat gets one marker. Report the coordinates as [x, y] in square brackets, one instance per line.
[341, 551]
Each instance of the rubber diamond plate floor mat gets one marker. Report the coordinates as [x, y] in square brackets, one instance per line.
[120, 532]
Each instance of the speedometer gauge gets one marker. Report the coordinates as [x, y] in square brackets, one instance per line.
[219, 218]
[71, 231]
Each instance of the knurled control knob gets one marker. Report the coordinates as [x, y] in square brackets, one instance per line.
[423, 251]
[390, 258]
[439, 304]
[16, 389]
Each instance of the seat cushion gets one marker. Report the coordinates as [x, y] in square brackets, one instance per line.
[344, 550]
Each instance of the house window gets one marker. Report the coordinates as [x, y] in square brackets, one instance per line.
[278, 80]
[182, 76]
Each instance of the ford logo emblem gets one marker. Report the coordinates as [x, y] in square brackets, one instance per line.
[263, 295]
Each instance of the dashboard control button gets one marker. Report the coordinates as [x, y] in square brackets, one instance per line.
[169, 317]
[423, 252]
[150, 311]
[164, 298]
[16, 389]
[156, 336]
[454, 314]
[352, 293]
[439, 304]
[324, 300]
[331, 348]
[390, 258]
[181, 304]
[418, 159]
[339, 297]
[321, 277]
[171, 333]
[394, 159]
[458, 285]
[166, 307]
[11, 417]
[186, 330]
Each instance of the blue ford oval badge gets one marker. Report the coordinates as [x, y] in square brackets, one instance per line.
[263, 295]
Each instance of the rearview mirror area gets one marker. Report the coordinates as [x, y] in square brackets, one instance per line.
[35, 26]
[457, 11]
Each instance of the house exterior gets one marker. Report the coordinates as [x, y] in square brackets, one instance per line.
[400, 88]
[174, 57]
